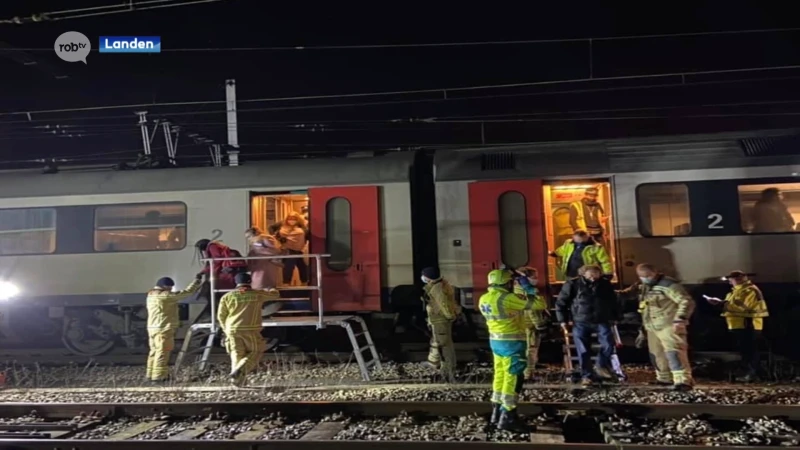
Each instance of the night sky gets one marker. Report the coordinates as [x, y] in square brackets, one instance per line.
[34, 79]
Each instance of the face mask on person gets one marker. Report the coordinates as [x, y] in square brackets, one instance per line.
[646, 280]
[424, 279]
[533, 281]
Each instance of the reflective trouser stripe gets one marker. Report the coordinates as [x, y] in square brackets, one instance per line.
[245, 349]
[161, 343]
[669, 353]
[505, 383]
[442, 345]
[518, 336]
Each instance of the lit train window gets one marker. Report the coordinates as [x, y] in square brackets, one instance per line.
[663, 210]
[338, 241]
[140, 227]
[513, 229]
[770, 208]
[27, 231]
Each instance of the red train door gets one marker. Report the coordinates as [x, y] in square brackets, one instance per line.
[506, 228]
[345, 224]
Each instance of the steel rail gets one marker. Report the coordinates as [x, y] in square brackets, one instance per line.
[389, 409]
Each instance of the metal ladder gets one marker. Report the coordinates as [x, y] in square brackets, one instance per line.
[571, 355]
[356, 328]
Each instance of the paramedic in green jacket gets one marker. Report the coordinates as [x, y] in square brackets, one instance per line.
[504, 312]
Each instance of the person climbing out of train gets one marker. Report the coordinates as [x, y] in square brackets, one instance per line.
[588, 214]
[504, 313]
[240, 317]
[744, 310]
[666, 308]
[224, 271]
[439, 298]
[293, 236]
[264, 272]
[589, 304]
[581, 251]
[537, 318]
[162, 323]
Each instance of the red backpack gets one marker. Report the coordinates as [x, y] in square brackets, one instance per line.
[228, 252]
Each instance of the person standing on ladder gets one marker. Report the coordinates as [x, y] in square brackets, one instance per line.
[439, 298]
[240, 317]
[588, 214]
[162, 323]
[504, 314]
[536, 318]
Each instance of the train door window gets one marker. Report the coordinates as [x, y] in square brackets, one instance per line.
[770, 208]
[338, 234]
[272, 214]
[140, 227]
[577, 205]
[27, 231]
[663, 210]
[513, 229]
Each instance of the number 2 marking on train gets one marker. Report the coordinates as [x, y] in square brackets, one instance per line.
[217, 233]
[715, 222]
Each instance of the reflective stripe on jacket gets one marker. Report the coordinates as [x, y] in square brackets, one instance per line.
[162, 307]
[745, 301]
[592, 254]
[441, 302]
[664, 302]
[240, 310]
[503, 311]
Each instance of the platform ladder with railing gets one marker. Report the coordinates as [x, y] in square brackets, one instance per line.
[571, 359]
[355, 327]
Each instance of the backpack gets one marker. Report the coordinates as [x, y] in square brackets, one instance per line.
[236, 264]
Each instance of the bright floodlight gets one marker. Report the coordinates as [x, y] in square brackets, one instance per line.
[8, 290]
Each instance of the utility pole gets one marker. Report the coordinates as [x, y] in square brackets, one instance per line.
[230, 98]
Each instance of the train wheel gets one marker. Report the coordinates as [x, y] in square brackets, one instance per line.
[86, 340]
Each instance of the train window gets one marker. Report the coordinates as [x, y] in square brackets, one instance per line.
[140, 227]
[27, 231]
[338, 234]
[663, 209]
[770, 208]
[513, 229]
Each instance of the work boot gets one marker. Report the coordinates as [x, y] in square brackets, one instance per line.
[682, 387]
[510, 421]
[586, 382]
[497, 410]
[748, 378]
[660, 383]
[431, 365]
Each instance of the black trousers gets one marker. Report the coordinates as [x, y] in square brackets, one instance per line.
[290, 263]
[747, 341]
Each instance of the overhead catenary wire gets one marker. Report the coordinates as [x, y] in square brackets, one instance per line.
[681, 75]
[128, 6]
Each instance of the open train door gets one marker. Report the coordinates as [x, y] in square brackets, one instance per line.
[506, 228]
[345, 224]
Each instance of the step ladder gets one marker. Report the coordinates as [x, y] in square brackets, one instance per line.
[571, 359]
[356, 328]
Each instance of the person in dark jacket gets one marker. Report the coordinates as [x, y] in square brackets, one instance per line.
[589, 303]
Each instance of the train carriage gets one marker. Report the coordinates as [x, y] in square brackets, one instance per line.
[684, 203]
[83, 246]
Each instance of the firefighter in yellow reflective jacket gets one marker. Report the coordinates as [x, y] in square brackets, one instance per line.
[581, 251]
[440, 304]
[666, 308]
[536, 318]
[240, 316]
[162, 322]
[505, 319]
[744, 309]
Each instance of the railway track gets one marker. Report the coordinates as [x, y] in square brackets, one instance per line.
[397, 425]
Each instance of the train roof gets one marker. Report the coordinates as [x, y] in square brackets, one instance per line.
[552, 159]
[258, 175]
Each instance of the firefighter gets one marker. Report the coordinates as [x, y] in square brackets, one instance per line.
[240, 316]
[440, 303]
[588, 214]
[162, 322]
[537, 318]
[504, 314]
[581, 251]
[744, 310]
[666, 309]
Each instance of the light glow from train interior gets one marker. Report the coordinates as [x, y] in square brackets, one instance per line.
[8, 290]
[569, 187]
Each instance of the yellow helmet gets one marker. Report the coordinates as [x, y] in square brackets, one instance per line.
[499, 277]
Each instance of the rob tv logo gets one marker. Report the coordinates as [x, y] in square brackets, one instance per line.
[130, 44]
